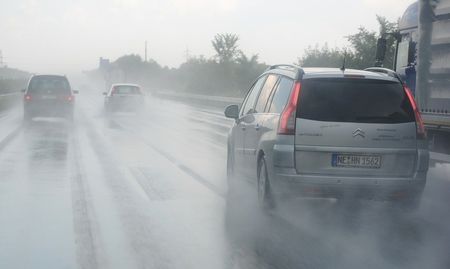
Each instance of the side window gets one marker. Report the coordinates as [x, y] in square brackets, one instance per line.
[281, 95]
[251, 97]
[265, 93]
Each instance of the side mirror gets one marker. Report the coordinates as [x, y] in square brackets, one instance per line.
[232, 112]
[23, 90]
[104, 93]
[381, 50]
[76, 91]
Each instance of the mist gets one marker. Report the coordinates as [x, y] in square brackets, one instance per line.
[125, 141]
[69, 37]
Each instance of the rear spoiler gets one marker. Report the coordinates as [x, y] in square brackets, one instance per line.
[386, 71]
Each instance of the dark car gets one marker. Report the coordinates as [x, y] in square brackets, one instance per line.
[48, 96]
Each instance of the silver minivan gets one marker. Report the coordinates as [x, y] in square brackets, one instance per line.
[328, 133]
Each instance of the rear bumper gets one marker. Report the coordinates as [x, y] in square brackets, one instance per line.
[124, 105]
[286, 182]
[38, 110]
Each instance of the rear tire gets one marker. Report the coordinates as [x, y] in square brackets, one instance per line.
[265, 195]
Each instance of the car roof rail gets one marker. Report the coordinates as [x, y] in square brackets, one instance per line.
[293, 67]
[383, 70]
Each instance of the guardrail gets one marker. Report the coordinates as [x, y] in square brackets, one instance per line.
[216, 101]
[9, 100]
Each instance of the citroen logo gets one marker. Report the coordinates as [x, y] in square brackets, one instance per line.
[359, 132]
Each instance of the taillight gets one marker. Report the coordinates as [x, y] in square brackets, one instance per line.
[69, 98]
[421, 132]
[287, 119]
[27, 97]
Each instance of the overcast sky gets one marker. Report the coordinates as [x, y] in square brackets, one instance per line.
[66, 36]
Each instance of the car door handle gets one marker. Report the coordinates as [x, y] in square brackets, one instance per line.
[257, 127]
[243, 128]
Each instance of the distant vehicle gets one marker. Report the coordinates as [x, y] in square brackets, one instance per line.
[48, 96]
[124, 97]
[328, 133]
[433, 93]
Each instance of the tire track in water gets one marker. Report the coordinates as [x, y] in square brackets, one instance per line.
[86, 248]
[266, 237]
[269, 232]
[146, 253]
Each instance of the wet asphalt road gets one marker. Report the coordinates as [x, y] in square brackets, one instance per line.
[149, 191]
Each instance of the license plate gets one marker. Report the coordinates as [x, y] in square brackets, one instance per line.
[48, 97]
[358, 161]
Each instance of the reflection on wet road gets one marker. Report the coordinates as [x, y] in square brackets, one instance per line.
[149, 191]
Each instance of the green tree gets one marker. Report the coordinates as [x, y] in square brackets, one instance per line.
[361, 52]
[248, 62]
[229, 73]
[226, 47]
[388, 27]
[322, 57]
[131, 66]
[247, 70]
[364, 44]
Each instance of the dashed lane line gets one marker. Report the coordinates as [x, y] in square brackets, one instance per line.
[200, 179]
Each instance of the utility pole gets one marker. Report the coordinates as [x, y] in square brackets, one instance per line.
[145, 50]
[426, 15]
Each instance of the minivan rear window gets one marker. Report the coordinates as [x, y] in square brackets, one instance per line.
[354, 100]
[56, 85]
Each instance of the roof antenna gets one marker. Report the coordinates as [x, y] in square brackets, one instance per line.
[343, 64]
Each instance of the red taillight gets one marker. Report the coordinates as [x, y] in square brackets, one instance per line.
[287, 119]
[421, 132]
[69, 98]
[27, 97]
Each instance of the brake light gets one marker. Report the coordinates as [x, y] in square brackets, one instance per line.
[287, 119]
[27, 97]
[69, 98]
[421, 132]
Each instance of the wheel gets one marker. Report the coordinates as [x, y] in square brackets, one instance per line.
[265, 196]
